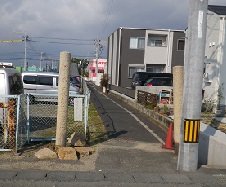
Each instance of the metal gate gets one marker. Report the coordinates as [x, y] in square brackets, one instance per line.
[13, 122]
[42, 110]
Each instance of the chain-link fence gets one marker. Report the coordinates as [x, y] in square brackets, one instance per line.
[25, 118]
[13, 132]
[43, 115]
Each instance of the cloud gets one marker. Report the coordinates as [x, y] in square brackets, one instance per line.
[85, 19]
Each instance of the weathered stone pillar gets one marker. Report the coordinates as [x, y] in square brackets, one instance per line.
[63, 95]
[178, 83]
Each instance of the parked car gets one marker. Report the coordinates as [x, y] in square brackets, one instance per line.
[159, 81]
[75, 81]
[44, 83]
[139, 78]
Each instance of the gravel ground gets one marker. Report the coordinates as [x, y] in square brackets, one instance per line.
[27, 160]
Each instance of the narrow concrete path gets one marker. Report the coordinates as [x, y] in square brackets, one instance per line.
[135, 142]
[121, 121]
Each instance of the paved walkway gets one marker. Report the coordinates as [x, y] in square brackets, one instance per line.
[67, 179]
[133, 156]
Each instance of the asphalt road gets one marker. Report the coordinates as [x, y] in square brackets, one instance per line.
[124, 122]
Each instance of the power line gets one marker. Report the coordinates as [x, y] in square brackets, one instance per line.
[107, 16]
[11, 53]
[62, 38]
[67, 43]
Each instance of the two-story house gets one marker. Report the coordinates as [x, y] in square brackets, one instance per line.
[215, 53]
[133, 50]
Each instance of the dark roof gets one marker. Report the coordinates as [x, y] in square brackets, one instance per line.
[219, 10]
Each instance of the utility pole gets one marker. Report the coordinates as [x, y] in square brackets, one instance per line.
[193, 79]
[41, 58]
[25, 51]
[97, 45]
[25, 47]
[98, 48]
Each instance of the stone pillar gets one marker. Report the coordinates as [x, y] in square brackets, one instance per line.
[63, 95]
[178, 83]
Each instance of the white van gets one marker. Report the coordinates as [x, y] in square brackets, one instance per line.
[43, 83]
[10, 81]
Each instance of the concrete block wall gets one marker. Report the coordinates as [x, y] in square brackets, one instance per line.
[152, 89]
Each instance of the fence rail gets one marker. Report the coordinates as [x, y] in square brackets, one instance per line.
[146, 98]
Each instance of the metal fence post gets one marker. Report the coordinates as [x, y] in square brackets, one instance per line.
[17, 121]
[85, 113]
[28, 118]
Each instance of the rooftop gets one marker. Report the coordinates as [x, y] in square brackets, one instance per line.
[219, 10]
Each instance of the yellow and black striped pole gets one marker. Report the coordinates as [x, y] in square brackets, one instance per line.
[191, 131]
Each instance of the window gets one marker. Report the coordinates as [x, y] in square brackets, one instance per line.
[29, 79]
[157, 40]
[180, 45]
[15, 84]
[133, 70]
[153, 42]
[155, 68]
[136, 43]
[45, 80]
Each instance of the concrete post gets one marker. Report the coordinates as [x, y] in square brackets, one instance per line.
[63, 95]
[178, 84]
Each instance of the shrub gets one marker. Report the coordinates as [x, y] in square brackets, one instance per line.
[104, 80]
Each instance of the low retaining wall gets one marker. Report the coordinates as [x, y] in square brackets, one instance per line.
[212, 147]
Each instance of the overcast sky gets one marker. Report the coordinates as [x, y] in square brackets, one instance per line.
[76, 23]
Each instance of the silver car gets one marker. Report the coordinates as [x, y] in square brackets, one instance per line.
[36, 83]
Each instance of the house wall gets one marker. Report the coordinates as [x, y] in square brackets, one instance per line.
[177, 56]
[153, 54]
[222, 59]
[215, 53]
[109, 57]
[129, 56]
[113, 60]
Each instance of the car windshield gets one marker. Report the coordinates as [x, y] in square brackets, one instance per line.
[15, 84]
[160, 81]
[74, 80]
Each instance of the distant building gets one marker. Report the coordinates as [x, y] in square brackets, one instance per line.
[102, 64]
[133, 50]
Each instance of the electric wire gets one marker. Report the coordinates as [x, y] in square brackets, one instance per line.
[62, 38]
[107, 17]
